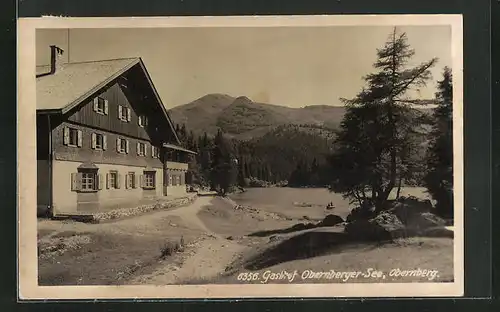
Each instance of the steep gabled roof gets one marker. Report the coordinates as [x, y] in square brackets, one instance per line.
[73, 83]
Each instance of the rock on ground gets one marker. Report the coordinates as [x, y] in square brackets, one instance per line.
[331, 220]
[385, 226]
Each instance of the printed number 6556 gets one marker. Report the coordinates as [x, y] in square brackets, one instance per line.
[248, 276]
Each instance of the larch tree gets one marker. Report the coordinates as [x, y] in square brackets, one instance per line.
[375, 146]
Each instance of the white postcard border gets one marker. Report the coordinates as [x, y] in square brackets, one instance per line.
[26, 131]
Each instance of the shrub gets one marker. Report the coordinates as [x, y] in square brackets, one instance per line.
[169, 248]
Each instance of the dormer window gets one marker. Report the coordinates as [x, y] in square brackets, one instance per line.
[124, 113]
[143, 121]
[101, 105]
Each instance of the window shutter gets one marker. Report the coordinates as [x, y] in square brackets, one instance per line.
[138, 148]
[104, 142]
[139, 120]
[135, 182]
[105, 107]
[118, 144]
[99, 181]
[108, 180]
[118, 181]
[127, 179]
[76, 181]
[94, 138]
[145, 149]
[120, 108]
[153, 151]
[96, 104]
[126, 146]
[128, 114]
[66, 136]
[142, 180]
[80, 135]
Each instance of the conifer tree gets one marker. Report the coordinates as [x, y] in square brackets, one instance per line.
[375, 142]
[223, 167]
[439, 177]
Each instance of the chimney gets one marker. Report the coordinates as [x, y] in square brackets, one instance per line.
[55, 58]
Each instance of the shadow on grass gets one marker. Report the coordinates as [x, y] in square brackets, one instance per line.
[317, 243]
[303, 246]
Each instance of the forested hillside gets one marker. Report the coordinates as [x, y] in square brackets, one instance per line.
[271, 143]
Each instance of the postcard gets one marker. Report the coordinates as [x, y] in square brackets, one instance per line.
[240, 157]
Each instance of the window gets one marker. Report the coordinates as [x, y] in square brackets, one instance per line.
[155, 152]
[143, 121]
[124, 113]
[122, 146]
[113, 180]
[148, 181]
[130, 180]
[72, 137]
[100, 106]
[141, 149]
[174, 180]
[88, 181]
[99, 141]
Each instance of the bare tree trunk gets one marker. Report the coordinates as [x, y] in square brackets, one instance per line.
[399, 186]
[393, 164]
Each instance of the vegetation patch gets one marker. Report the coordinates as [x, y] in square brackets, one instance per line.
[52, 246]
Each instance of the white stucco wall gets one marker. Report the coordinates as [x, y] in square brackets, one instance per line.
[65, 200]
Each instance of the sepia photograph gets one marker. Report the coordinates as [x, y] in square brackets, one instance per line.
[240, 157]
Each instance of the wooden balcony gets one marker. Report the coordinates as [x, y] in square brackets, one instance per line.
[177, 165]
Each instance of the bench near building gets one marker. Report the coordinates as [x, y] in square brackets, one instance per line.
[104, 138]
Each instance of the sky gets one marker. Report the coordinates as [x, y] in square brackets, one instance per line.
[289, 66]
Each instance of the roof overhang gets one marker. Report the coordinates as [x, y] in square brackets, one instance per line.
[49, 111]
[178, 148]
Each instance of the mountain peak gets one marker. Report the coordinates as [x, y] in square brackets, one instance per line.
[240, 117]
[242, 99]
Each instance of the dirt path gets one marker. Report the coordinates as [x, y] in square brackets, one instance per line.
[140, 225]
[139, 238]
[203, 259]
[202, 262]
